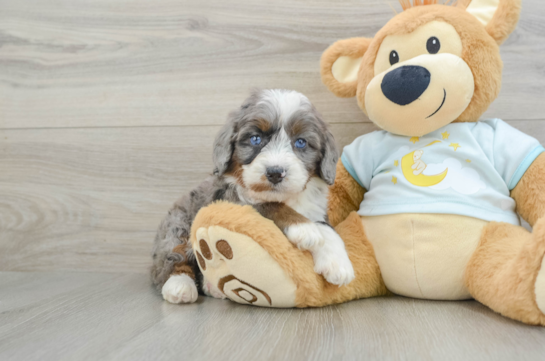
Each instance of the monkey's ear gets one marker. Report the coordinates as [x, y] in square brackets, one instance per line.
[340, 64]
[500, 17]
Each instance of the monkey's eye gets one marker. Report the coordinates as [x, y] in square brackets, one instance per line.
[300, 143]
[394, 57]
[255, 140]
[433, 45]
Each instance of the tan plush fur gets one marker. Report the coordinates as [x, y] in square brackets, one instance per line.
[345, 196]
[480, 52]
[368, 281]
[530, 192]
[504, 21]
[312, 289]
[462, 4]
[353, 48]
[502, 272]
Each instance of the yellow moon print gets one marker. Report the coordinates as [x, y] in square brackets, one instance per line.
[420, 180]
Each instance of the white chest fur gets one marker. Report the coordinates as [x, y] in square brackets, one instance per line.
[312, 202]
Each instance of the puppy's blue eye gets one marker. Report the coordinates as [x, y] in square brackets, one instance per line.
[255, 140]
[300, 143]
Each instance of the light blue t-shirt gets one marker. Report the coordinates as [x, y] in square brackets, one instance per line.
[463, 168]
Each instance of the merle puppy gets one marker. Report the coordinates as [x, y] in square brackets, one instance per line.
[277, 154]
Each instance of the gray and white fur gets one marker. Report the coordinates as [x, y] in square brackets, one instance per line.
[276, 153]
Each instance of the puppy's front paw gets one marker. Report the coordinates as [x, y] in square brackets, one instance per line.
[336, 269]
[180, 289]
[305, 235]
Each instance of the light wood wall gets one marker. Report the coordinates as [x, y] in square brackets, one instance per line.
[108, 108]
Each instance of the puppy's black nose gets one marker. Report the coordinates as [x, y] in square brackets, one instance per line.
[405, 84]
[275, 175]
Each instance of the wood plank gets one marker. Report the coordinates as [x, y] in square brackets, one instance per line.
[82, 322]
[91, 199]
[93, 63]
[120, 318]
[20, 290]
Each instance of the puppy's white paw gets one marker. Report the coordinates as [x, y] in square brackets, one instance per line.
[211, 290]
[331, 260]
[180, 289]
[305, 235]
[335, 270]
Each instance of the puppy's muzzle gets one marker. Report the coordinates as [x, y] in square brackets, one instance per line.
[275, 175]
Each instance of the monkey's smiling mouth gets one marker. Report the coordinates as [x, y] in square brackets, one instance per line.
[442, 103]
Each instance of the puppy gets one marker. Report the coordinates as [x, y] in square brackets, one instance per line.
[277, 154]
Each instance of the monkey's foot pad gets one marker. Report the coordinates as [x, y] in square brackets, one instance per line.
[242, 269]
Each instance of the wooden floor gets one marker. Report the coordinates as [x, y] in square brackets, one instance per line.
[97, 316]
[108, 109]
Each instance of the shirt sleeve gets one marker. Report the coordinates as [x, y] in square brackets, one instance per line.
[357, 159]
[513, 152]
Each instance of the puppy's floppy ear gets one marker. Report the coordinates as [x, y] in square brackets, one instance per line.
[340, 64]
[500, 17]
[223, 145]
[330, 156]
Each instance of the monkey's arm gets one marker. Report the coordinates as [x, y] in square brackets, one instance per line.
[345, 196]
[530, 192]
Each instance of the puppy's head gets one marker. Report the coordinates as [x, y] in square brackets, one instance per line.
[274, 144]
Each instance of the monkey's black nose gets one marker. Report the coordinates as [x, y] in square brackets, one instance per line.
[275, 175]
[405, 84]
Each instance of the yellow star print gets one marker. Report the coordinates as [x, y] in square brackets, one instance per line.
[445, 135]
[414, 139]
[394, 180]
[455, 146]
[396, 163]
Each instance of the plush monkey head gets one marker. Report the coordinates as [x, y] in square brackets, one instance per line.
[427, 67]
